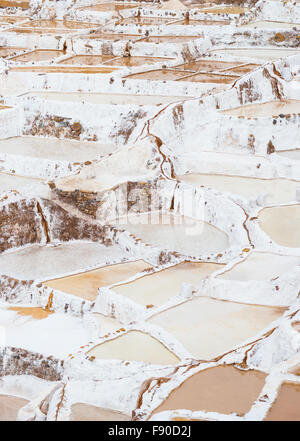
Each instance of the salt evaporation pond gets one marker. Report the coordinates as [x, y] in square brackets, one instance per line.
[134, 346]
[209, 327]
[174, 232]
[282, 224]
[86, 284]
[157, 288]
[271, 191]
[223, 389]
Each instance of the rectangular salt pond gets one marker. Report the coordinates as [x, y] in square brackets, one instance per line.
[271, 190]
[10, 406]
[282, 224]
[268, 109]
[106, 98]
[264, 24]
[159, 74]
[87, 412]
[258, 53]
[290, 154]
[86, 284]
[189, 22]
[222, 389]
[208, 328]
[59, 24]
[134, 346]
[48, 262]
[261, 266]
[38, 55]
[174, 232]
[64, 69]
[55, 148]
[208, 65]
[287, 404]
[210, 78]
[93, 60]
[110, 37]
[156, 289]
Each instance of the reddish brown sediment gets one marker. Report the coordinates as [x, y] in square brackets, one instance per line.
[223, 389]
[287, 404]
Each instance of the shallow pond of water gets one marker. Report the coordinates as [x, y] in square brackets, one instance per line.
[272, 191]
[10, 405]
[86, 284]
[287, 404]
[46, 262]
[155, 289]
[55, 148]
[134, 346]
[282, 224]
[261, 266]
[222, 389]
[208, 327]
[174, 232]
[269, 109]
[87, 412]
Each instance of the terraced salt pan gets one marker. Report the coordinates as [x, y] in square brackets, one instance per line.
[291, 154]
[224, 10]
[189, 22]
[41, 31]
[134, 346]
[86, 60]
[86, 412]
[25, 185]
[287, 404]
[170, 38]
[86, 285]
[57, 335]
[64, 69]
[180, 233]
[272, 25]
[109, 6]
[144, 21]
[155, 289]
[273, 191]
[282, 224]
[54, 148]
[208, 65]
[261, 266]
[271, 108]
[159, 74]
[222, 389]
[178, 75]
[47, 262]
[209, 327]
[262, 54]
[59, 24]
[210, 78]
[93, 60]
[105, 98]
[10, 406]
[38, 55]
[110, 37]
